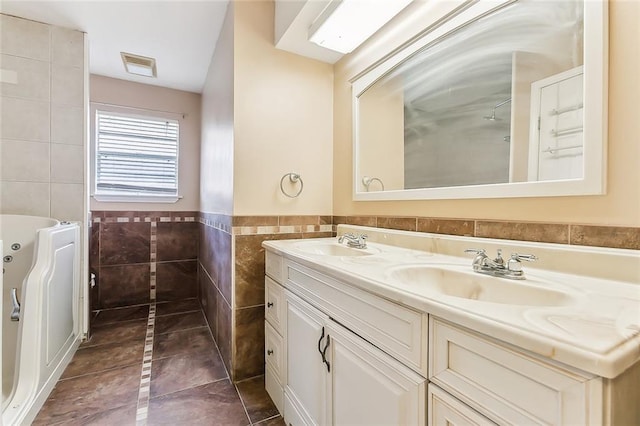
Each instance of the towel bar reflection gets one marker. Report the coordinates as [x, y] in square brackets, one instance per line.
[554, 150]
[293, 178]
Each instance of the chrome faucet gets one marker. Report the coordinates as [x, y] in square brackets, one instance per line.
[359, 242]
[497, 267]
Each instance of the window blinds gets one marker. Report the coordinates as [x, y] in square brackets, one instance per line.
[136, 155]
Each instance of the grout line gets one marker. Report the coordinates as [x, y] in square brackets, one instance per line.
[144, 390]
[244, 406]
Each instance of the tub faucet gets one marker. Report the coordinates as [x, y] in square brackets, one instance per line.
[359, 242]
[497, 267]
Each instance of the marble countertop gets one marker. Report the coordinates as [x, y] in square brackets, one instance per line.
[595, 329]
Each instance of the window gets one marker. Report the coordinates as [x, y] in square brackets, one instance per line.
[136, 157]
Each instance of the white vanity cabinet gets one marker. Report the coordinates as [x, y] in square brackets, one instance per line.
[335, 377]
[338, 354]
[331, 375]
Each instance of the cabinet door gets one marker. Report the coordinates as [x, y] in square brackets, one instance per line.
[306, 375]
[368, 387]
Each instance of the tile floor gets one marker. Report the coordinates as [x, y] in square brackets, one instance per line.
[189, 384]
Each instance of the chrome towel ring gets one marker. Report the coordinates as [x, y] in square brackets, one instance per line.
[293, 178]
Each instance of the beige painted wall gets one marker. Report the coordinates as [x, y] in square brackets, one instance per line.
[381, 148]
[216, 153]
[129, 94]
[282, 120]
[621, 204]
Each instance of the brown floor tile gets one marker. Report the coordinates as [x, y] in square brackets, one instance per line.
[134, 330]
[275, 421]
[196, 340]
[121, 416]
[108, 316]
[168, 308]
[84, 396]
[215, 403]
[178, 322]
[181, 372]
[256, 400]
[104, 357]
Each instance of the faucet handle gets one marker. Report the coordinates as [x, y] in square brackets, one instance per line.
[475, 251]
[527, 257]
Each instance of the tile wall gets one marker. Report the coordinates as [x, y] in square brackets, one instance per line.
[231, 269]
[42, 103]
[137, 256]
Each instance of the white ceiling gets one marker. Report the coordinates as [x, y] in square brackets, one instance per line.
[180, 35]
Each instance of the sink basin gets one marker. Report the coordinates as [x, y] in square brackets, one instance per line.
[452, 281]
[332, 248]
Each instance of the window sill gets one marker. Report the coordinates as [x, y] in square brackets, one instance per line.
[119, 198]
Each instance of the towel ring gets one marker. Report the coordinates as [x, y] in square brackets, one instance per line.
[293, 178]
[366, 181]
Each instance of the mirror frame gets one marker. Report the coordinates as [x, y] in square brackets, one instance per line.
[596, 61]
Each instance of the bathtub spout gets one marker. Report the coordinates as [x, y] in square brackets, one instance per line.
[15, 313]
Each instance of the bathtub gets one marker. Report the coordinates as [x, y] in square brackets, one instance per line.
[41, 261]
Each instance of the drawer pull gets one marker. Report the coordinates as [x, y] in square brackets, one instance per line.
[324, 355]
[270, 304]
[270, 352]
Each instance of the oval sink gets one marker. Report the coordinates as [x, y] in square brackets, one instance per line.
[453, 282]
[328, 248]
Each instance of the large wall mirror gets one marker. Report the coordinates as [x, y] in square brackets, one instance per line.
[499, 99]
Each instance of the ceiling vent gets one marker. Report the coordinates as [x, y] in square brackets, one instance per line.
[139, 65]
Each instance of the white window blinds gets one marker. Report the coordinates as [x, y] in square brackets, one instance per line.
[136, 155]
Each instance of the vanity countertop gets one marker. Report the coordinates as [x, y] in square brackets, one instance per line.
[595, 329]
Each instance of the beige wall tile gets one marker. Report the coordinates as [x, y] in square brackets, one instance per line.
[28, 198]
[24, 38]
[67, 47]
[67, 163]
[67, 201]
[67, 85]
[25, 161]
[67, 125]
[31, 78]
[24, 119]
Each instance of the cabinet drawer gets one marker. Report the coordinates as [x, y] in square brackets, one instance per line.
[445, 410]
[395, 329]
[274, 307]
[273, 264]
[509, 386]
[274, 351]
[274, 388]
[292, 416]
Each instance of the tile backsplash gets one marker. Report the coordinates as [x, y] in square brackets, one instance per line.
[559, 233]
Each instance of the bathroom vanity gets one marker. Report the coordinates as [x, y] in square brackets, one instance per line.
[404, 332]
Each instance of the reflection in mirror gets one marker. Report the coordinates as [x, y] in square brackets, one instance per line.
[496, 100]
